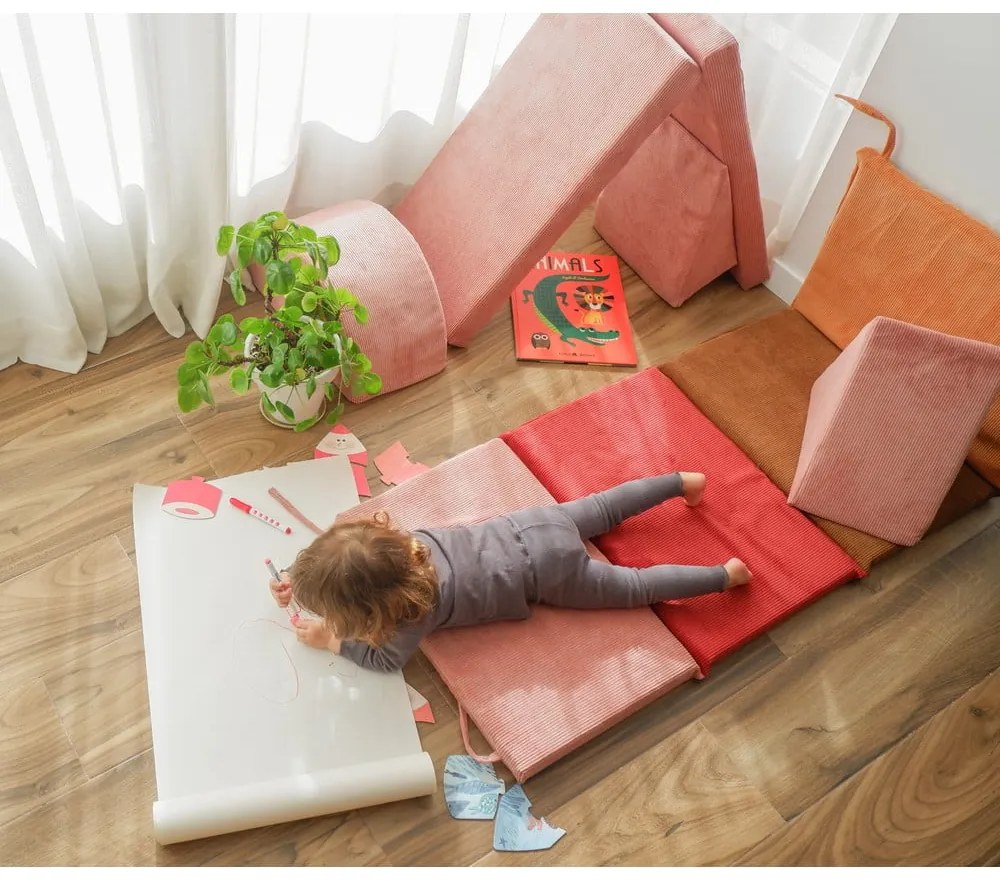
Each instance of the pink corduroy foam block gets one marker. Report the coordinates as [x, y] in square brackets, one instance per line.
[381, 264]
[538, 688]
[687, 207]
[890, 422]
[575, 99]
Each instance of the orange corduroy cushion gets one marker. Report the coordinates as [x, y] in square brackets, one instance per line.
[896, 250]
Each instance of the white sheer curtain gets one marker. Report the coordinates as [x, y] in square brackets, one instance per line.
[793, 65]
[126, 140]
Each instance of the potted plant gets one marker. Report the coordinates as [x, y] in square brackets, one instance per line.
[296, 349]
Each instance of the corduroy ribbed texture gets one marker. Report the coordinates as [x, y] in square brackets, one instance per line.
[754, 384]
[645, 425]
[714, 113]
[538, 688]
[890, 422]
[717, 54]
[898, 251]
[572, 103]
[381, 264]
[668, 213]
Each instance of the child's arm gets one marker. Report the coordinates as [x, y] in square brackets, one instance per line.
[394, 654]
[391, 656]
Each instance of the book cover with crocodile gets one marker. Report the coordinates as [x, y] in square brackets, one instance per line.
[571, 309]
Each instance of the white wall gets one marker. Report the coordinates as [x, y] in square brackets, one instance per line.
[938, 79]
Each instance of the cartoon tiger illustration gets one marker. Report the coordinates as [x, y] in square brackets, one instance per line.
[594, 301]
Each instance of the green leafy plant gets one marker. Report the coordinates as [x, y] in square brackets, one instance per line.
[297, 339]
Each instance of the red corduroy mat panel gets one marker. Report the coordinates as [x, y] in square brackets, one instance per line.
[645, 425]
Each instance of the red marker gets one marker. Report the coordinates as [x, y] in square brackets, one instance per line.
[263, 517]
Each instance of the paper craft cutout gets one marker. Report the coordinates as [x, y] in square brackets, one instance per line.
[341, 441]
[471, 789]
[191, 499]
[421, 708]
[395, 466]
[294, 511]
[361, 481]
[516, 830]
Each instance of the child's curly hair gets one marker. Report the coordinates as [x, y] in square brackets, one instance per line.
[365, 578]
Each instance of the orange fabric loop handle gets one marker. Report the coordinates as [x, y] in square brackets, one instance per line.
[463, 722]
[868, 110]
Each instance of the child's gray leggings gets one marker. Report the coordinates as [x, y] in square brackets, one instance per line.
[567, 576]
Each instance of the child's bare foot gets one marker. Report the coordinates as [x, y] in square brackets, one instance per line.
[738, 573]
[694, 488]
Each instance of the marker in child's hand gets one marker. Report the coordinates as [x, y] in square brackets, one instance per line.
[293, 617]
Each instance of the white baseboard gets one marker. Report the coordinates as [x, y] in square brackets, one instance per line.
[784, 282]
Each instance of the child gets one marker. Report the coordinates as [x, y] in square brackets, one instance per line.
[379, 591]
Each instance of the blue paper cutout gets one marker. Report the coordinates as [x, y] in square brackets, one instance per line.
[516, 830]
[471, 789]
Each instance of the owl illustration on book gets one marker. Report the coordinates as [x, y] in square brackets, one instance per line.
[541, 340]
[594, 301]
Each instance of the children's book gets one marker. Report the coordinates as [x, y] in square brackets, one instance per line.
[571, 309]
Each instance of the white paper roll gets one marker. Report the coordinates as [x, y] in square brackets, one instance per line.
[293, 798]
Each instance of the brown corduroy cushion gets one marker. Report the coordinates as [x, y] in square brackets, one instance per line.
[754, 384]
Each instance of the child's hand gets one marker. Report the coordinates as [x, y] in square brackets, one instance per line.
[281, 590]
[316, 634]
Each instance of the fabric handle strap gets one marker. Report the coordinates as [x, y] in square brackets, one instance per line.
[868, 110]
[463, 722]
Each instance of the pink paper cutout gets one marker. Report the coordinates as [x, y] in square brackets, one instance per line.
[395, 466]
[421, 708]
[361, 481]
[191, 499]
[341, 440]
[424, 713]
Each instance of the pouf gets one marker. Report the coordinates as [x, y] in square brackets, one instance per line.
[382, 265]
[890, 422]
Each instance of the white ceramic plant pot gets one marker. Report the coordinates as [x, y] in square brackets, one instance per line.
[303, 405]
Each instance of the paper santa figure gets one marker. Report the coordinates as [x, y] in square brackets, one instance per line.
[342, 441]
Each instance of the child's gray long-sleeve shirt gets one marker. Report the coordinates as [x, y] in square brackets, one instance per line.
[494, 570]
[499, 591]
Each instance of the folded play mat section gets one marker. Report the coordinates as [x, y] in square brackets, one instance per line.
[831, 433]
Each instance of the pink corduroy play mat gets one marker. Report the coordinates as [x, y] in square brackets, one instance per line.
[539, 688]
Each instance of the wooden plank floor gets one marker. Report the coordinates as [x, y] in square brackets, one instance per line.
[864, 730]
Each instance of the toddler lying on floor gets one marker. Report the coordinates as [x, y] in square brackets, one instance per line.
[379, 590]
